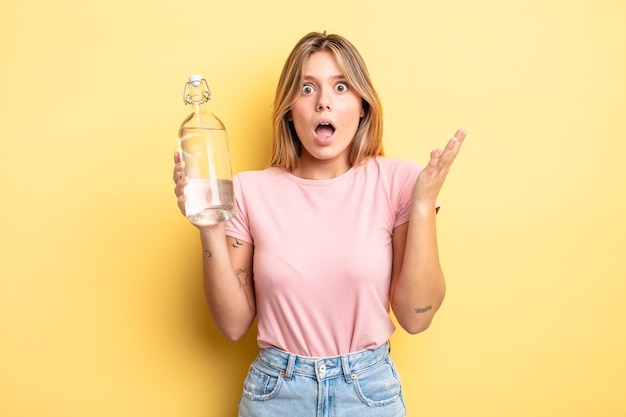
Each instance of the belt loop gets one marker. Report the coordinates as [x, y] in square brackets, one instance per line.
[291, 364]
[346, 368]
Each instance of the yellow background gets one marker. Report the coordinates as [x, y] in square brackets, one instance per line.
[101, 306]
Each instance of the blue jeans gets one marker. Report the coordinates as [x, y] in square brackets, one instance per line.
[361, 384]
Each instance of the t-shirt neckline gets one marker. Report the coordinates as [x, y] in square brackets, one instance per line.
[320, 182]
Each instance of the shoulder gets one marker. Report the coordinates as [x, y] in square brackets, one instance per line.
[259, 176]
[396, 175]
[393, 167]
[261, 184]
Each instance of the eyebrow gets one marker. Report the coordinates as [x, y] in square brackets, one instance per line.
[334, 77]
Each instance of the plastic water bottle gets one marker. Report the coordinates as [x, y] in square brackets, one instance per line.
[203, 145]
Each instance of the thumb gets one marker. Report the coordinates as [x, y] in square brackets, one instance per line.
[435, 154]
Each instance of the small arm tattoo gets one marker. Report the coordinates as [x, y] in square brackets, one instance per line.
[208, 253]
[242, 276]
[237, 244]
[423, 310]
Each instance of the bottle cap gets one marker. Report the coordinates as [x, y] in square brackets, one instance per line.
[195, 80]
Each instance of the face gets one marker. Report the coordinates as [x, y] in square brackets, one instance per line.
[326, 115]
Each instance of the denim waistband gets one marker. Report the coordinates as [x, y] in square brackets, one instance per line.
[290, 364]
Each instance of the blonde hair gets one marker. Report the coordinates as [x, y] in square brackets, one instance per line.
[286, 147]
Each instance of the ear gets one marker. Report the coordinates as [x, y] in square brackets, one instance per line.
[289, 116]
[362, 112]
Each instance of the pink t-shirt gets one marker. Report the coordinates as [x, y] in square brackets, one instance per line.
[323, 253]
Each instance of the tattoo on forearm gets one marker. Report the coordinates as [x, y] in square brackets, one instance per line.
[242, 276]
[208, 253]
[237, 244]
[423, 310]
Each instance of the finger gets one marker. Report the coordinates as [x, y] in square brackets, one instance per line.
[435, 154]
[440, 158]
[179, 190]
[460, 134]
[179, 171]
[457, 139]
[455, 143]
[176, 157]
[181, 203]
[453, 147]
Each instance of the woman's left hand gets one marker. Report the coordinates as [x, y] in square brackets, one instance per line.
[430, 180]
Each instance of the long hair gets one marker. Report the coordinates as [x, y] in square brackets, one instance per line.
[286, 146]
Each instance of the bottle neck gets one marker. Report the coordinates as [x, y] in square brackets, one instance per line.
[197, 95]
[198, 102]
[198, 99]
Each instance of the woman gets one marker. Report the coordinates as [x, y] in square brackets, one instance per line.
[323, 243]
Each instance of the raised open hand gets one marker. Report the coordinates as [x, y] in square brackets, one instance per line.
[432, 177]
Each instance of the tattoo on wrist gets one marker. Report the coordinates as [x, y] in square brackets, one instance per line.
[236, 244]
[242, 277]
[423, 310]
[208, 253]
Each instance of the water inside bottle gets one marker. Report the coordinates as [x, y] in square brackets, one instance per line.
[205, 151]
[209, 191]
[209, 201]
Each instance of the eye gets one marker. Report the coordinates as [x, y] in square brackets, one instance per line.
[307, 89]
[341, 87]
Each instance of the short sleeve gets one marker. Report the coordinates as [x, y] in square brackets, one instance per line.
[239, 227]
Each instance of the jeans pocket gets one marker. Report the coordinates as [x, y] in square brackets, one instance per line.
[379, 385]
[261, 384]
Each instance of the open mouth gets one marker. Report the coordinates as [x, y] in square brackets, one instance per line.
[324, 130]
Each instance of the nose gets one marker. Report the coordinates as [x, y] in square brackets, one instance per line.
[324, 102]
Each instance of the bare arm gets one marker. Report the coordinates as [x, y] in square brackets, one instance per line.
[418, 285]
[228, 284]
[227, 271]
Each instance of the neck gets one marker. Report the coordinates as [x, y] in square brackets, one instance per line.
[320, 170]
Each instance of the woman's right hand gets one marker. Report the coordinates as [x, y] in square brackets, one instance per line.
[180, 180]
